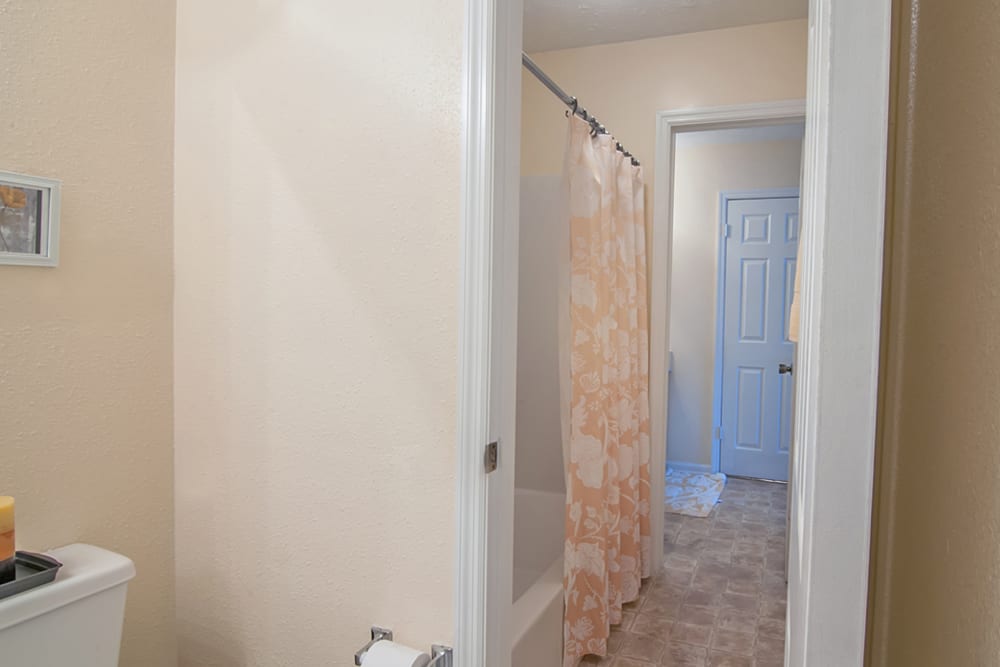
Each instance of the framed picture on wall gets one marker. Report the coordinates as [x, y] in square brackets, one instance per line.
[29, 220]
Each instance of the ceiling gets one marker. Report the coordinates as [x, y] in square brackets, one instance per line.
[564, 24]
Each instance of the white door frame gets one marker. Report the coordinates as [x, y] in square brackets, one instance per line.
[487, 372]
[720, 301]
[847, 101]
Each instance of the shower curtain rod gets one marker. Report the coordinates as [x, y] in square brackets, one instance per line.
[570, 101]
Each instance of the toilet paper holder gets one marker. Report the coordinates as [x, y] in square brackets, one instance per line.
[378, 634]
[441, 656]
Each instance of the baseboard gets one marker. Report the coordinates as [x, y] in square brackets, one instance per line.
[683, 466]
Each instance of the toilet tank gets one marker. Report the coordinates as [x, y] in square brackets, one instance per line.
[76, 621]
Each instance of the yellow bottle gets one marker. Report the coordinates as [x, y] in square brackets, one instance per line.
[6, 539]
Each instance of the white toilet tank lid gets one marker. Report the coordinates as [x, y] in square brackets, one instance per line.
[86, 570]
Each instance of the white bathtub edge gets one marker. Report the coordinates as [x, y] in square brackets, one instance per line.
[534, 603]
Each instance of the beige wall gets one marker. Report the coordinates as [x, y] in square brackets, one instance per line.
[625, 84]
[702, 171]
[317, 260]
[936, 545]
[85, 348]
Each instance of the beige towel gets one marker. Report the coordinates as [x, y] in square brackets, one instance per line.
[793, 310]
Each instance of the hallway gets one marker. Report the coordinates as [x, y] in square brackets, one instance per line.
[720, 601]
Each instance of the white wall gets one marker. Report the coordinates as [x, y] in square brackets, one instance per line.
[85, 347]
[317, 260]
[705, 166]
[539, 460]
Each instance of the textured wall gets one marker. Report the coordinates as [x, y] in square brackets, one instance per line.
[625, 84]
[937, 522]
[317, 263]
[85, 348]
[702, 171]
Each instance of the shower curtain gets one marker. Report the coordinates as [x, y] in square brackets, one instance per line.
[607, 389]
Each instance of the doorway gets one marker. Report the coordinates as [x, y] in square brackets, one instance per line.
[722, 159]
[848, 64]
[739, 150]
[734, 224]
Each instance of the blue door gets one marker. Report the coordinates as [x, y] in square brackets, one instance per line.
[761, 237]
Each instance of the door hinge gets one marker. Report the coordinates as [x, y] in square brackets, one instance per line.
[490, 460]
[726, 230]
[718, 433]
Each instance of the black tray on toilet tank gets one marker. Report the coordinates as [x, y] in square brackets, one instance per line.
[31, 570]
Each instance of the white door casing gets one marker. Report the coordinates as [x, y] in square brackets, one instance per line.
[487, 355]
[757, 282]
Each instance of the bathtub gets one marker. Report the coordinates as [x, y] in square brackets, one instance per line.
[537, 623]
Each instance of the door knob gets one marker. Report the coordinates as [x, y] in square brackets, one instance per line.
[784, 368]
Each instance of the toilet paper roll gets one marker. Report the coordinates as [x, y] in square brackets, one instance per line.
[390, 654]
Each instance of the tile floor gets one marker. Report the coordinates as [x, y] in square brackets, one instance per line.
[720, 600]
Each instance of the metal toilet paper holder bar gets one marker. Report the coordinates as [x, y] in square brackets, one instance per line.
[441, 656]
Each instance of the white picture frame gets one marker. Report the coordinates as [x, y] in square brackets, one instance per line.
[29, 220]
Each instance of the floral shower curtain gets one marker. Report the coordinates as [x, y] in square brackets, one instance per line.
[607, 485]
